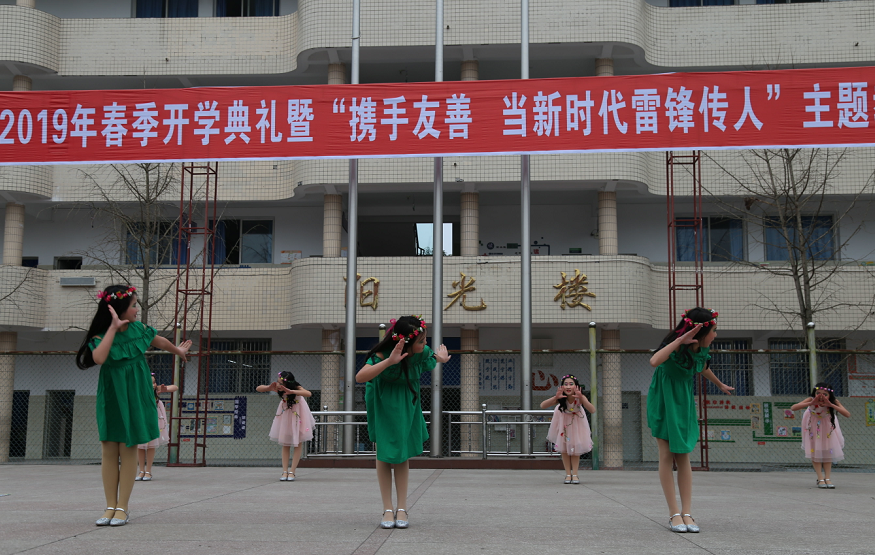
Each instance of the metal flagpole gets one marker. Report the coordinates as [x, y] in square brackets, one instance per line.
[437, 291]
[352, 252]
[525, 258]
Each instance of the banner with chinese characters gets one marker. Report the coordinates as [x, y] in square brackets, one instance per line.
[680, 111]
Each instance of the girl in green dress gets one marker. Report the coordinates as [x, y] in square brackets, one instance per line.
[671, 409]
[395, 421]
[126, 410]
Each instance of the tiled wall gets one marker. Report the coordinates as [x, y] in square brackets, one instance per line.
[742, 36]
[278, 179]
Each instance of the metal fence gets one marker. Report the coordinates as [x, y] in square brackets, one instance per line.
[53, 405]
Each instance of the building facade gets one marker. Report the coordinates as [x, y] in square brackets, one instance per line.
[598, 220]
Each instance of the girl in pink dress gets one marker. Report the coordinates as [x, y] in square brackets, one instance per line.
[293, 423]
[822, 439]
[146, 451]
[569, 428]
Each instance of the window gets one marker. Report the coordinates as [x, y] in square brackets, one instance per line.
[688, 3]
[161, 366]
[243, 242]
[247, 8]
[425, 239]
[30, 261]
[235, 373]
[733, 369]
[68, 263]
[157, 242]
[817, 238]
[723, 240]
[789, 371]
[166, 8]
[788, 1]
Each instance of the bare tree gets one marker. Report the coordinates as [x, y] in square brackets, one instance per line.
[793, 207]
[138, 207]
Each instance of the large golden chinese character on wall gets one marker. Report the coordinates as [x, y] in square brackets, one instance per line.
[571, 292]
[462, 289]
[367, 296]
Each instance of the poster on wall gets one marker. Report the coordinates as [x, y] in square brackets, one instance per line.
[213, 418]
[870, 412]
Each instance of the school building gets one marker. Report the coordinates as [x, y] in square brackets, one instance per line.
[598, 220]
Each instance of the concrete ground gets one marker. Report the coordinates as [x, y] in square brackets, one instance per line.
[52, 509]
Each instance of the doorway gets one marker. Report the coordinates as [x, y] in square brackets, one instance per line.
[58, 433]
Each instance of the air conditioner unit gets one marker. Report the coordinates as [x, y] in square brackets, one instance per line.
[77, 282]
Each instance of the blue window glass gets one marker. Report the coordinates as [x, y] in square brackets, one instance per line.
[166, 8]
[817, 238]
[723, 240]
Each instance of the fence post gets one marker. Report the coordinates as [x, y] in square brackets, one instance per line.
[173, 455]
[593, 377]
[812, 356]
[483, 425]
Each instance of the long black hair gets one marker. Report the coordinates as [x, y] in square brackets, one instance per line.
[832, 399]
[689, 320]
[287, 379]
[563, 403]
[102, 319]
[407, 329]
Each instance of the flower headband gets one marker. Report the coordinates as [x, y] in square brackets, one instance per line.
[572, 376]
[412, 335]
[824, 389]
[689, 324]
[104, 296]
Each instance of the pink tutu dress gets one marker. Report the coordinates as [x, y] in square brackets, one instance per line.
[292, 425]
[569, 430]
[163, 428]
[820, 441]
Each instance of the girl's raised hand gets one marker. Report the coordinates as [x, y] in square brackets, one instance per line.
[116, 323]
[183, 349]
[559, 393]
[161, 389]
[397, 355]
[687, 338]
[441, 355]
[578, 393]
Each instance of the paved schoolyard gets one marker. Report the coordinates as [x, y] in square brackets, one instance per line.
[52, 509]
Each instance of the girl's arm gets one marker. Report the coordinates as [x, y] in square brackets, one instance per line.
[266, 388]
[547, 403]
[803, 404]
[585, 402]
[708, 373]
[300, 391]
[839, 408]
[101, 352]
[369, 372]
[165, 345]
[167, 388]
[662, 355]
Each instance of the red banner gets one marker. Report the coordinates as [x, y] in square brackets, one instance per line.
[680, 111]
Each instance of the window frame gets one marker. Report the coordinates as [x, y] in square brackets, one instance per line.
[241, 222]
[733, 369]
[242, 373]
[799, 360]
[706, 229]
[169, 233]
[769, 248]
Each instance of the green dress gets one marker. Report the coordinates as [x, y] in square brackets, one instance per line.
[395, 422]
[671, 408]
[126, 409]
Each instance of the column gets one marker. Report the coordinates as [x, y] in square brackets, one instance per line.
[13, 235]
[470, 228]
[332, 212]
[470, 391]
[612, 402]
[612, 377]
[331, 376]
[470, 364]
[26, 3]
